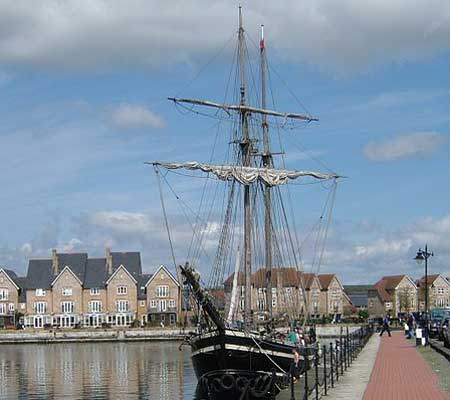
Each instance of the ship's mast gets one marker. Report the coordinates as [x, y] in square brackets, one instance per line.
[267, 163]
[245, 145]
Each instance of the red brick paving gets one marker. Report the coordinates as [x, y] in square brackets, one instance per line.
[400, 372]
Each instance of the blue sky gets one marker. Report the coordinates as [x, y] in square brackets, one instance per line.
[83, 87]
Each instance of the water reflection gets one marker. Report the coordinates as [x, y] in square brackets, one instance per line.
[152, 371]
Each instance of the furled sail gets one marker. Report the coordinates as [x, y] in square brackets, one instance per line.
[247, 175]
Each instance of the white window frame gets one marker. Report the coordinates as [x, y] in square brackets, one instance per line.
[67, 291]
[172, 303]
[162, 305]
[67, 307]
[153, 303]
[40, 292]
[11, 307]
[94, 291]
[3, 308]
[274, 301]
[122, 306]
[95, 306]
[40, 307]
[4, 293]
[162, 291]
[122, 289]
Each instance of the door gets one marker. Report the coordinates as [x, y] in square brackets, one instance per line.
[38, 322]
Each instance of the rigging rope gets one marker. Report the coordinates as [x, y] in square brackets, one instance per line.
[165, 217]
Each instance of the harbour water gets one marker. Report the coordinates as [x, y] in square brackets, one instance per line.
[155, 370]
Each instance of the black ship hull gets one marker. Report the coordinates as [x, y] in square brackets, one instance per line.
[237, 350]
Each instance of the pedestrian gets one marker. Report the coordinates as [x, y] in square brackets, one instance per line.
[295, 368]
[407, 331]
[385, 327]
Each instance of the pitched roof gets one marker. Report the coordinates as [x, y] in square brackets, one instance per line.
[131, 260]
[39, 274]
[356, 289]
[67, 268]
[162, 267]
[96, 273]
[141, 289]
[358, 299]
[430, 280]
[325, 280]
[11, 275]
[75, 261]
[286, 277]
[121, 267]
[386, 285]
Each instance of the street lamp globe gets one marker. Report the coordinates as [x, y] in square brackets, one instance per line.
[419, 257]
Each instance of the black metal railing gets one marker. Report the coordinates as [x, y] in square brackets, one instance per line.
[325, 365]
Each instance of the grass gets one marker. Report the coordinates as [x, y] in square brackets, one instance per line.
[438, 364]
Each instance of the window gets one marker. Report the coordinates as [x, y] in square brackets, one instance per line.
[40, 307]
[11, 307]
[162, 291]
[94, 291]
[67, 291]
[440, 302]
[162, 305]
[288, 290]
[95, 306]
[172, 303]
[274, 301]
[260, 304]
[440, 290]
[274, 290]
[122, 305]
[153, 303]
[142, 303]
[67, 307]
[40, 292]
[4, 294]
[242, 304]
[2, 308]
[388, 304]
[121, 289]
[242, 291]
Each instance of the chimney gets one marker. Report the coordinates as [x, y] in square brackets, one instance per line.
[109, 265]
[55, 262]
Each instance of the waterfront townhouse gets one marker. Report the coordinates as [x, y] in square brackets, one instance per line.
[438, 292]
[333, 296]
[393, 295]
[287, 293]
[163, 297]
[71, 290]
[9, 297]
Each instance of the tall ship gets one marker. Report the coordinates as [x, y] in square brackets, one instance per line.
[254, 228]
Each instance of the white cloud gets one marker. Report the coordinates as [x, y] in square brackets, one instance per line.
[136, 116]
[404, 146]
[122, 222]
[26, 248]
[96, 33]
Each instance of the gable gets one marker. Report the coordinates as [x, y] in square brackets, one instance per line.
[123, 269]
[66, 270]
[441, 281]
[406, 281]
[162, 270]
[6, 275]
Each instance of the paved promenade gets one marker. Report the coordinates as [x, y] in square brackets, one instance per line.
[400, 372]
[353, 383]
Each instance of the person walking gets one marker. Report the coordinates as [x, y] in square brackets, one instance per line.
[385, 327]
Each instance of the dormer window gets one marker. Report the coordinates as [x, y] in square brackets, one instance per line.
[94, 291]
[40, 292]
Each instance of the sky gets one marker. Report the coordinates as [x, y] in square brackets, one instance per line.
[83, 104]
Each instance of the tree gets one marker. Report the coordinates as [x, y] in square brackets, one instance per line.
[405, 299]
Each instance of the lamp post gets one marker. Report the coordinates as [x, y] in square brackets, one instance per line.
[420, 257]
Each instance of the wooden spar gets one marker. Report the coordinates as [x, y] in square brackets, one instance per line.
[267, 163]
[243, 108]
[246, 149]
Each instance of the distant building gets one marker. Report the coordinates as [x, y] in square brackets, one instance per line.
[438, 292]
[324, 293]
[393, 295]
[358, 295]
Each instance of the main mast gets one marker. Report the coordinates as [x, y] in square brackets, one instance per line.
[267, 163]
[245, 145]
